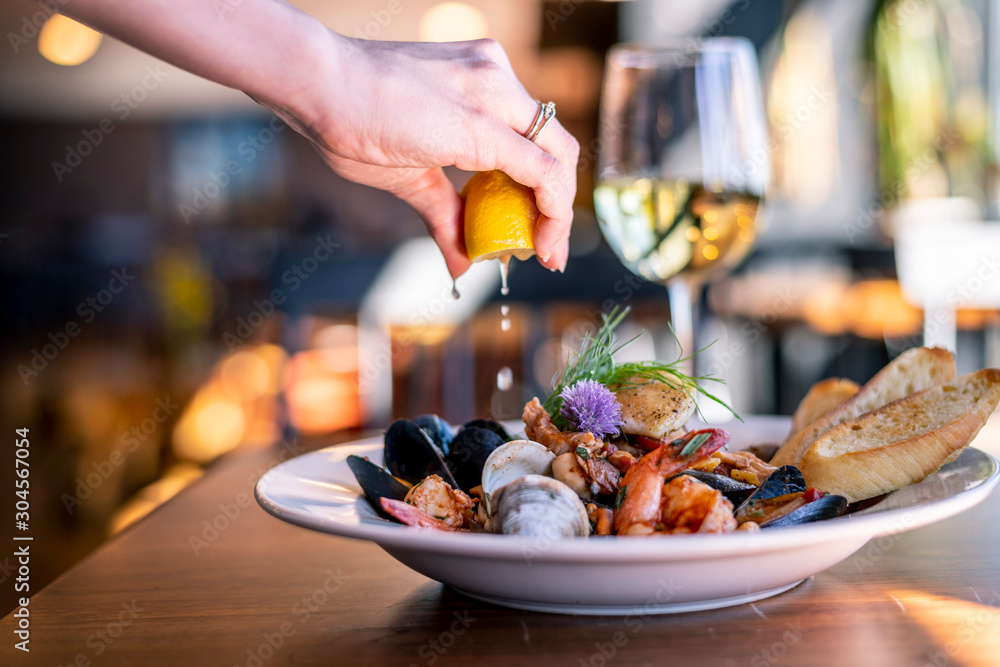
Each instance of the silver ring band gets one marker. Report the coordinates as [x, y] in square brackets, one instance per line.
[546, 112]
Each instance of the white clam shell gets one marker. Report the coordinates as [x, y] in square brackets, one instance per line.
[538, 506]
[515, 459]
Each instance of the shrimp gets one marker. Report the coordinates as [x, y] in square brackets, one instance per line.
[538, 426]
[691, 506]
[432, 503]
[641, 495]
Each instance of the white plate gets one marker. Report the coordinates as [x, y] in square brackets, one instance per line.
[616, 575]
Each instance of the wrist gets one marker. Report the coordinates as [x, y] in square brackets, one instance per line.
[304, 87]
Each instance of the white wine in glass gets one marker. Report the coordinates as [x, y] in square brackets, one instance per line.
[683, 164]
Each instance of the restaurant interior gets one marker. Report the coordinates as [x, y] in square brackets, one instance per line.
[184, 278]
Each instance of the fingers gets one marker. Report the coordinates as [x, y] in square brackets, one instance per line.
[553, 232]
[434, 198]
[552, 175]
[548, 165]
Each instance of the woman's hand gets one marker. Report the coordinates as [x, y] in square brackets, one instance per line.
[398, 112]
[386, 114]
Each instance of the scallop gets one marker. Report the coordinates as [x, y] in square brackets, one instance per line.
[539, 506]
[652, 408]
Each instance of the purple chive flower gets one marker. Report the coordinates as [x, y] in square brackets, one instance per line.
[589, 406]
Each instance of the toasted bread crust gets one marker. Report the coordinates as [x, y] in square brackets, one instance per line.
[901, 443]
[821, 398]
[914, 370]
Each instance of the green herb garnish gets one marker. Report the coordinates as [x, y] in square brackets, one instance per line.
[696, 442]
[620, 497]
[595, 361]
[583, 453]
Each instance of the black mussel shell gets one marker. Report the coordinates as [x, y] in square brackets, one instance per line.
[469, 451]
[827, 507]
[489, 425]
[781, 482]
[734, 490]
[410, 454]
[376, 482]
[440, 432]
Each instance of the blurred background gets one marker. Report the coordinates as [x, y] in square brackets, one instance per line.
[183, 278]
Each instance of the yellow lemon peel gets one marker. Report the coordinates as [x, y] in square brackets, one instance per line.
[500, 217]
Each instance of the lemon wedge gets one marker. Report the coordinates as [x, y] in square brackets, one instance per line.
[500, 217]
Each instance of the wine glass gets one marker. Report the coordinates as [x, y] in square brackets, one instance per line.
[682, 166]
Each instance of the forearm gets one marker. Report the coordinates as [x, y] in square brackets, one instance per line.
[266, 48]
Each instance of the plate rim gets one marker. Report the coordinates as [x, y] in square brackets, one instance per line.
[682, 547]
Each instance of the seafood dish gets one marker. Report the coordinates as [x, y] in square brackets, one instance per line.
[608, 453]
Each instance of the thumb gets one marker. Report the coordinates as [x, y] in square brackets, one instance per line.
[434, 198]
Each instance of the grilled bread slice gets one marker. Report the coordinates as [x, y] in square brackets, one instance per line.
[914, 370]
[903, 442]
[822, 397]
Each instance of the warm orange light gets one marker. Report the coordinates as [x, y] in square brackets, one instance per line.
[66, 42]
[965, 631]
[245, 376]
[320, 399]
[876, 309]
[452, 22]
[212, 425]
[338, 345]
[150, 497]
[824, 309]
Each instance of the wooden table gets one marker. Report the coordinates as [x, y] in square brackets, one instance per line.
[261, 592]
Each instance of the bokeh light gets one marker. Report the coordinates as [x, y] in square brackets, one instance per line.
[67, 42]
[452, 22]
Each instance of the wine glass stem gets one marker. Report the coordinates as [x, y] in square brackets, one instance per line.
[683, 313]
